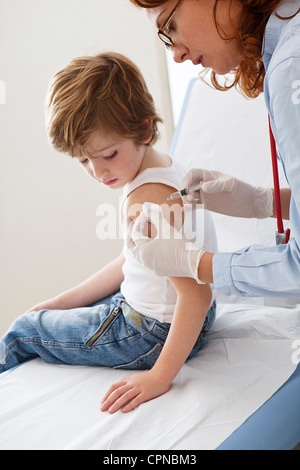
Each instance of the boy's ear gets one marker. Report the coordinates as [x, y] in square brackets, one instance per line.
[149, 123]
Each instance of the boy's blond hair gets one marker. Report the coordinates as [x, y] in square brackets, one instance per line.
[105, 92]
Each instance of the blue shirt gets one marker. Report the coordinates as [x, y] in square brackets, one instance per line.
[274, 271]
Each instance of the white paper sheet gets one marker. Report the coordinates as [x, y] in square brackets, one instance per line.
[247, 358]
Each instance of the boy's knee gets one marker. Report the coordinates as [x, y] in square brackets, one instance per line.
[13, 344]
[22, 326]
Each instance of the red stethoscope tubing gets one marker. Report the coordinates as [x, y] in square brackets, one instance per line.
[276, 186]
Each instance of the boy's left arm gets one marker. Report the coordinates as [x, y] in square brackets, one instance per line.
[192, 306]
[193, 302]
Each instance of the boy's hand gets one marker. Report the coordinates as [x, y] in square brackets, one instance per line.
[131, 391]
[46, 305]
[50, 304]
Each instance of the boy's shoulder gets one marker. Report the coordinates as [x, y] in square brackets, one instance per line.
[156, 193]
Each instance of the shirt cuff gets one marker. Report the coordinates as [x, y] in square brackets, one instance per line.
[222, 273]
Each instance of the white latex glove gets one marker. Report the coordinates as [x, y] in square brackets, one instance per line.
[168, 253]
[228, 195]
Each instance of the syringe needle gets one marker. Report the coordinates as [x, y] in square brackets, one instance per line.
[184, 191]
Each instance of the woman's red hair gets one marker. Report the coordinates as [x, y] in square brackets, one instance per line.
[249, 75]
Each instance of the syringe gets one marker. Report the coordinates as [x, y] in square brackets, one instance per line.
[184, 191]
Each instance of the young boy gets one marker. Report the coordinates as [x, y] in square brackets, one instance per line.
[101, 113]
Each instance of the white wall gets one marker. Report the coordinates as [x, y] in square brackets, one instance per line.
[180, 76]
[48, 206]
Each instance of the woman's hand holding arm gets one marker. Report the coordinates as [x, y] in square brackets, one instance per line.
[169, 253]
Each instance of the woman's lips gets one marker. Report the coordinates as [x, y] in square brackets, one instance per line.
[198, 60]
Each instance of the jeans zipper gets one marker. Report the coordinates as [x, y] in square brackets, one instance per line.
[116, 311]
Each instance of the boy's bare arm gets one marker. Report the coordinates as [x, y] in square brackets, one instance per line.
[193, 302]
[104, 282]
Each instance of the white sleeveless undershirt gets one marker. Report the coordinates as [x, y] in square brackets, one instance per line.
[147, 293]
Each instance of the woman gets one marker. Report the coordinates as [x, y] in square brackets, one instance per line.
[259, 42]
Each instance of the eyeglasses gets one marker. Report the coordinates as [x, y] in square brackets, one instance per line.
[162, 34]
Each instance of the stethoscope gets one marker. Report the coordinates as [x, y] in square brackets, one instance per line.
[282, 236]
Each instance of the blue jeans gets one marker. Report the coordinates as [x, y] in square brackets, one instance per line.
[108, 333]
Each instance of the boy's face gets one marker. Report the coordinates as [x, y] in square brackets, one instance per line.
[114, 161]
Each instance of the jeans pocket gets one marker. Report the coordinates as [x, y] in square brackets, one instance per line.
[103, 327]
[160, 330]
[145, 361]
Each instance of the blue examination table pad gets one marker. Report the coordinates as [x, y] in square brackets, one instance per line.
[274, 426]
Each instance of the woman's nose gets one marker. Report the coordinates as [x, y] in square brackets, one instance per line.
[180, 53]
